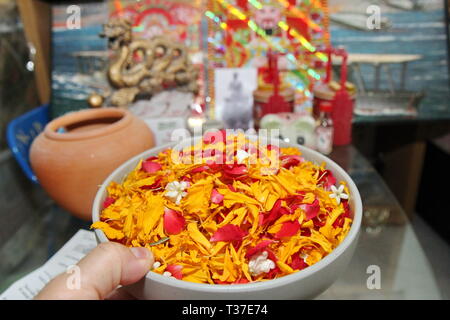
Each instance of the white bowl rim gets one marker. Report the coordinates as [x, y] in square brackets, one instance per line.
[253, 286]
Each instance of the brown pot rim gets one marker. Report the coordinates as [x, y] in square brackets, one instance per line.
[84, 115]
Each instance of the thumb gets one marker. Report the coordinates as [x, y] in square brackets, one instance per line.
[105, 268]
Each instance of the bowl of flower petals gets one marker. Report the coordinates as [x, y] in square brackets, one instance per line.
[230, 216]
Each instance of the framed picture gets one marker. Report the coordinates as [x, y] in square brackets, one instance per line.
[234, 96]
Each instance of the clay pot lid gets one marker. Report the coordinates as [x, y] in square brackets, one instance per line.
[113, 119]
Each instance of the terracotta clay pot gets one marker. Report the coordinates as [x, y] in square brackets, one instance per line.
[76, 152]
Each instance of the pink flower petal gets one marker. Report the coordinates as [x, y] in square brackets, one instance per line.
[311, 210]
[258, 248]
[174, 222]
[229, 232]
[288, 161]
[108, 201]
[288, 229]
[216, 197]
[150, 166]
[175, 270]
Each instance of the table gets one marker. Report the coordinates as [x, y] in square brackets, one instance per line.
[379, 61]
[387, 240]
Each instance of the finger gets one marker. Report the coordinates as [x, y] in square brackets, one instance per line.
[101, 272]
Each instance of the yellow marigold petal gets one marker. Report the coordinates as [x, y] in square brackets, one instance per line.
[231, 198]
[218, 247]
[271, 199]
[284, 267]
[154, 212]
[313, 257]
[318, 238]
[309, 198]
[235, 256]
[109, 232]
[197, 236]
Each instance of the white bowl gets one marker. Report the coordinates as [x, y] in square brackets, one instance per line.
[304, 284]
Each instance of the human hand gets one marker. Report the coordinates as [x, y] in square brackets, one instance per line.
[105, 268]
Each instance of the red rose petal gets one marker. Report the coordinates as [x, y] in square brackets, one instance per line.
[235, 170]
[277, 211]
[305, 232]
[216, 197]
[311, 210]
[288, 161]
[294, 201]
[297, 262]
[212, 137]
[288, 229]
[151, 158]
[153, 186]
[272, 273]
[258, 248]
[175, 270]
[187, 179]
[339, 222]
[273, 147]
[174, 222]
[251, 149]
[239, 281]
[318, 223]
[217, 281]
[108, 201]
[150, 166]
[327, 179]
[199, 169]
[229, 232]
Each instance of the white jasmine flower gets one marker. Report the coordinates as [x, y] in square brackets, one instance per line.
[175, 190]
[156, 265]
[241, 155]
[167, 274]
[260, 263]
[338, 193]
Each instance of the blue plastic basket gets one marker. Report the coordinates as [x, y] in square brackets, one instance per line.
[22, 131]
